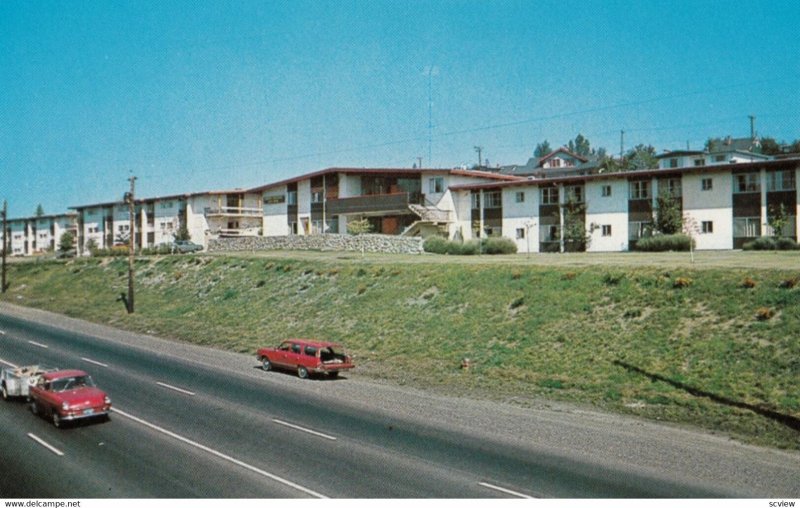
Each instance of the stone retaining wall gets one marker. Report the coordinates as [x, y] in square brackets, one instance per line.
[327, 242]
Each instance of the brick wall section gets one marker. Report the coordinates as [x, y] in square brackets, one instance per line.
[328, 242]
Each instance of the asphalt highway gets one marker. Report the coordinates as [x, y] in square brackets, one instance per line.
[183, 428]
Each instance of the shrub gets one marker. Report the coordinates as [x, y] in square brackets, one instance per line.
[612, 279]
[748, 283]
[500, 245]
[682, 282]
[435, 245]
[664, 243]
[789, 283]
[764, 314]
[771, 243]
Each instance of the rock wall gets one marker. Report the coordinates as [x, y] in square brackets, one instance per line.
[327, 242]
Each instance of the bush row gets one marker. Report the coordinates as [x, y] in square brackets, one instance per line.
[771, 243]
[439, 245]
[664, 243]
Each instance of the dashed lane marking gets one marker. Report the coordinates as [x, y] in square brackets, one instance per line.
[94, 362]
[220, 455]
[34, 343]
[505, 491]
[175, 388]
[303, 429]
[46, 445]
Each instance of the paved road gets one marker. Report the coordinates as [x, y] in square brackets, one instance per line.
[194, 422]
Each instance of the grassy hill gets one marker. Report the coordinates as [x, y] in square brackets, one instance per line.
[714, 347]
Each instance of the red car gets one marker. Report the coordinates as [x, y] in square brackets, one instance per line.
[68, 395]
[307, 357]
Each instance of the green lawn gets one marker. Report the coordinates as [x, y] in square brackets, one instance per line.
[649, 334]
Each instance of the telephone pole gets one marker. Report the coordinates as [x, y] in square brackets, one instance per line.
[479, 149]
[5, 246]
[129, 197]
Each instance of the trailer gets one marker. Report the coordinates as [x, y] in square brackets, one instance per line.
[16, 382]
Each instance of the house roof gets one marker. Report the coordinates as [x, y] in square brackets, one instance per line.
[793, 162]
[162, 198]
[679, 153]
[394, 171]
[561, 150]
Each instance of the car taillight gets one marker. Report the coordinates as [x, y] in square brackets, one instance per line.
[107, 400]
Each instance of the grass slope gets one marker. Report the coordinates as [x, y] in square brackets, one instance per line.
[714, 351]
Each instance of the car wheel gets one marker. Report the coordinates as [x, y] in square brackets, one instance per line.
[334, 374]
[265, 365]
[302, 372]
[56, 419]
[34, 408]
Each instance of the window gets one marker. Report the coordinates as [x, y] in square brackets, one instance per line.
[606, 229]
[673, 163]
[520, 233]
[746, 227]
[123, 228]
[699, 162]
[519, 197]
[746, 182]
[291, 197]
[707, 184]
[606, 191]
[707, 227]
[672, 186]
[316, 197]
[316, 227]
[638, 229]
[780, 181]
[640, 189]
[549, 233]
[166, 204]
[293, 227]
[296, 348]
[719, 158]
[550, 195]
[476, 200]
[494, 199]
[311, 351]
[574, 194]
[436, 185]
[555, 162]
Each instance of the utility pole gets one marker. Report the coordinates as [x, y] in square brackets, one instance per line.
[479, 149]
[752, 126]
[129, 197]
[419, 162]
[5, 246]
[621, 144]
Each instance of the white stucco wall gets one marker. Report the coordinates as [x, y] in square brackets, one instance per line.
[609, 210]
[715, 205]
[275, 220]
[522, 216]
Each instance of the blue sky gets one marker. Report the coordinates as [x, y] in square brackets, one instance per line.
[205, 95]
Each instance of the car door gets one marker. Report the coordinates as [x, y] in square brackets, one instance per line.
[295, 355]
[281, 355]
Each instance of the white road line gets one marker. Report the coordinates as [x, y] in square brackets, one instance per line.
[46, 445]
[94, 362]
[181, 390]
[303, 429]
[8, 363]
[220, 455]
[38, 345]
[506, 491]
[2, 332]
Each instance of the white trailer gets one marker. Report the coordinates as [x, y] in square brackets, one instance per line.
[16, 382]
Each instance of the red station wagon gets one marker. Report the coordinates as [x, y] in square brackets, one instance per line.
[307, 357]
[68, 395]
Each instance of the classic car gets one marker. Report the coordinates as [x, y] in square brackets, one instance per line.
[306, 357]
[68, 395]
[185, 246]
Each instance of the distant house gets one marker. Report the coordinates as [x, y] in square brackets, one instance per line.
[719, 151]
[560, 162]
[38, 234]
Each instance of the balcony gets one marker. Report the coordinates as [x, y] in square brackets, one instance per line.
[233, 211]
[377, 203]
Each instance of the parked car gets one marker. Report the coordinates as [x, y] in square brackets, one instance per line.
[184, 246]
[16, 381]
[306, 357]
[68, 395]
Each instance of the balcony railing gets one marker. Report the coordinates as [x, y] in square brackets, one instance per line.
[233, 211]
[397, 202]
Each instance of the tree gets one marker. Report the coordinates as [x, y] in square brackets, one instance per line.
[574, 234]
[777, 219]
[39, 210]
[182, 234]
[667, 218]
[359, 226]
[581, 146]
[66, 243]
[542, 149]
[770, 147]
[640, 157]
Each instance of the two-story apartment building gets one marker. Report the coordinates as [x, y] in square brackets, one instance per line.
[37, 234]
[394, 200]
[730, 204]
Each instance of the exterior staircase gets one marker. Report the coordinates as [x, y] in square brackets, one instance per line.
[428, 216]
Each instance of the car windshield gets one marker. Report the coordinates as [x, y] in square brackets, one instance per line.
[71, 383]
